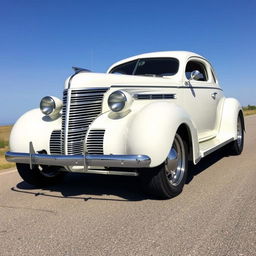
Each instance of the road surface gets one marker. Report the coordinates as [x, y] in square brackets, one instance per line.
[106, 215]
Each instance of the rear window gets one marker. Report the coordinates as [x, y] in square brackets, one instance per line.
[149, 67]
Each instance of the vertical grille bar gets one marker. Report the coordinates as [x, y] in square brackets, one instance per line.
[94, 143]
[81, 108]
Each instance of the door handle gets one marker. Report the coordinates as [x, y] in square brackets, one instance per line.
[214, 95]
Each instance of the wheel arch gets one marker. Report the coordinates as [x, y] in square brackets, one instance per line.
[185, 133]
[241, 114]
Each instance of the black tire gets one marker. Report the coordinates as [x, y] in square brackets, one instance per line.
[158, 181]
[236, 147]
[40, 175]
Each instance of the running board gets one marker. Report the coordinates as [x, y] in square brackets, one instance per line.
[210, 146]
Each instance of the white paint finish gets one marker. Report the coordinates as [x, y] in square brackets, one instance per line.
[227, 130]
[33, 126]
[209, 146]
[203, 109]
[228, 125]
[149, 126]
[153, 129]
[140, 103]
[148, 129]
[200, 103]
[88, 79]
[94, 80]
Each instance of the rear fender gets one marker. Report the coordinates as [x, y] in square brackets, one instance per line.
[231, 110]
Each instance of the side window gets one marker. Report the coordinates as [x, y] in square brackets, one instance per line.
[196, 65]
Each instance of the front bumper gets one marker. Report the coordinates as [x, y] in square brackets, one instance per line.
[32, 158]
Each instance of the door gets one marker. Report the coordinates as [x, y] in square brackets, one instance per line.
[202, 98]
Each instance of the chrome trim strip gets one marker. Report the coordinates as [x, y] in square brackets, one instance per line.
[127, 161]
[155, 96]
[166, 87]
[217, 147]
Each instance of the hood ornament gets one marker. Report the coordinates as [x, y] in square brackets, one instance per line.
[77, 69]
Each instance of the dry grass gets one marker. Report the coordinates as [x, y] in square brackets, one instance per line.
[249, 112]
[4, 138]
[5, 132]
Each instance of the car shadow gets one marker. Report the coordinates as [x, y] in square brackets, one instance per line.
[95, 187]
[89, 187]
[206, 162]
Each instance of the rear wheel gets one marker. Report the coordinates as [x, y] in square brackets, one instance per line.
[167, 180]
[236, 147]
[40, 175]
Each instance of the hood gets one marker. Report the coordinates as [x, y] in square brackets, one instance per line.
[98, 80]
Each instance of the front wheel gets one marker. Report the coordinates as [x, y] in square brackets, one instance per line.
[40, 175]
[167, 180]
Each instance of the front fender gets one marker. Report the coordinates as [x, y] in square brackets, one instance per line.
[149, 130]
[33, 126]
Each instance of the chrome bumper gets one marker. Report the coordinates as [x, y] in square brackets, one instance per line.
[32, 158]
[129, 161]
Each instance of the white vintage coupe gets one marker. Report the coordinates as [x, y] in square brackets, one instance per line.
[148, 115]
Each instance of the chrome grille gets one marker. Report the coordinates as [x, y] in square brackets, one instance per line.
[94, 142]
[55, 143]
[81, 110]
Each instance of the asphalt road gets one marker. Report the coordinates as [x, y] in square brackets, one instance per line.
[103, 215]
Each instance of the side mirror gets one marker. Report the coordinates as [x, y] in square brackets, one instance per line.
[195, 75]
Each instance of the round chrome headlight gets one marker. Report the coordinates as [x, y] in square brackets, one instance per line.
[117, 101]
[50, 106]
[47, 105]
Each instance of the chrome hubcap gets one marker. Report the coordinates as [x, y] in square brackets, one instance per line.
[239, 133]
[175, 162]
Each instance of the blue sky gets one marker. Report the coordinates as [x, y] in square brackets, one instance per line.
[41, 40]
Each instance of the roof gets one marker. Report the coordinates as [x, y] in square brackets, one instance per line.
[181, 55]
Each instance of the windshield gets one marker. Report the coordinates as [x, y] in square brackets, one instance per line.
[148, 67]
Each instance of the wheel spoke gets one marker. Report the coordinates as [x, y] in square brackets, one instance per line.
[239, 132]
[175, 162]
